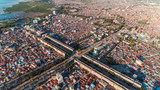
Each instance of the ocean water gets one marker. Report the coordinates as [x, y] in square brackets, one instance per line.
[9, 3]
[9, 16]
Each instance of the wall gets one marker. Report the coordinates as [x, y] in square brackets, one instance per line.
[128, 79]
[56, 49]
[64, 45]
[114, 84]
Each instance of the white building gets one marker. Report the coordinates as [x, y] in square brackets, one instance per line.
[59, 77]
[95, 52]
[54, 12]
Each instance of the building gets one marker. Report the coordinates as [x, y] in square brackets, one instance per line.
[95, 52]
[59, 77]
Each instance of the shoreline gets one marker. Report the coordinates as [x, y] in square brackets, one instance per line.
[4, 14]
[9, 4]
[23, 15]
[23, 11]
[18, 11]
[10, 12]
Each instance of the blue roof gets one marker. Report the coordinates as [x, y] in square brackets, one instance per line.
[158, 88]
[92, 85]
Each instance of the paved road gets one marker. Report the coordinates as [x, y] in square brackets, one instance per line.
[78, 54]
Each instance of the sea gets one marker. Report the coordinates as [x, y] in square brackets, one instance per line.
[9, 3]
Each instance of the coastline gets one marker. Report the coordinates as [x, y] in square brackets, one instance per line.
[6, 15]
[26, 9]
[18, 14]
[25, 17]
[23, 10]
[6, 4]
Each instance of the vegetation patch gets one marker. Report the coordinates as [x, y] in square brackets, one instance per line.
[30, 7]
[83, 0]
[9, 24]
[143, 22]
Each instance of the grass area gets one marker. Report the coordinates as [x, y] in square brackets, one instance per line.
[1, 24]
[30, 7]
[143, 21]
[65, 10]
[83, 0]
[14, 23]
[9, 24]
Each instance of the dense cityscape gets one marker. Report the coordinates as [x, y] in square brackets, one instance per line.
[82, 45]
